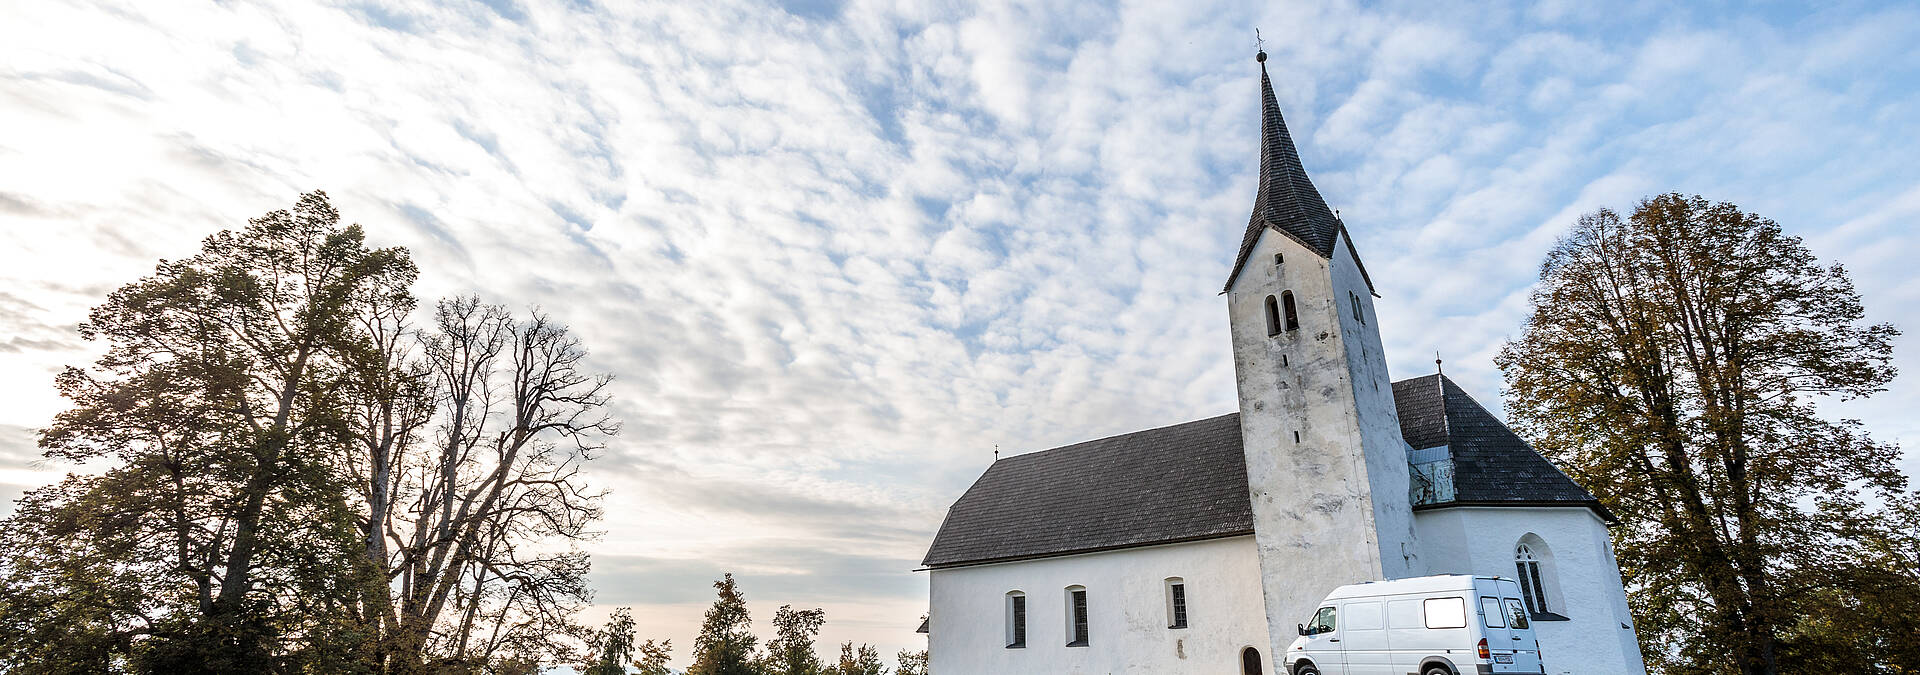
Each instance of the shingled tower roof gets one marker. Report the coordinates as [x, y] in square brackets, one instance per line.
[1287, 201]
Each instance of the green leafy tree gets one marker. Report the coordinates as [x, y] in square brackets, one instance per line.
[724, 645]
[864, 660]
[612, 650]
[216, 538]
[651, 659]
[791, 650]
[1672, 363]
[911, 663]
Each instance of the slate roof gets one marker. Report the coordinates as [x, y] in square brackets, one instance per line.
[1491, 464]
[1178, 483]
[1287, 200]
[1188, 482]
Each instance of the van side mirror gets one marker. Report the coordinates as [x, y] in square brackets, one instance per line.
[1300, 627]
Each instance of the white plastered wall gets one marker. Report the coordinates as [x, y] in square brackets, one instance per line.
[1326, 466]
[1126, 613]
[1584, 586]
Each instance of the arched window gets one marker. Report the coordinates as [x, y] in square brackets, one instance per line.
[1016, 620]
[1286, 303]
[1273, 317]
[1249, 661]
[1359, 314]
[1176, 603]
[1533, 565]
[1077, 616]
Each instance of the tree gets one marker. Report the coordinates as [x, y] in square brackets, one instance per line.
[296, 479]
[911, 663]
[862, 661]
[791, 650]
[724, 645]
[652, 659]
[611, 649]
[462, 523]
[1672, 362]
[218, 530]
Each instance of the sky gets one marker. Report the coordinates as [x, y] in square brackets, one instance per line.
[837, 253]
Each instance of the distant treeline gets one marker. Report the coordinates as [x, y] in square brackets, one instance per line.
[725, 646]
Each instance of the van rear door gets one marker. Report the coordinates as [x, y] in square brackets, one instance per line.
[1498, 638]
[1526, 646]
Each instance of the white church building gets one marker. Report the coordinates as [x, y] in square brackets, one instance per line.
[1198, 547]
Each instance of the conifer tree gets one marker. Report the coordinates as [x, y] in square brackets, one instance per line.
[724, 645]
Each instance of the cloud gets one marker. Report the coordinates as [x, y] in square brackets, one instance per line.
[838, 252]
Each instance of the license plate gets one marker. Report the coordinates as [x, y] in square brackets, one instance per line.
[1503, 658]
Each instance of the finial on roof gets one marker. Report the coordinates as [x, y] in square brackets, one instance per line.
[996, 452]
[1437, 370]
[1260, 49]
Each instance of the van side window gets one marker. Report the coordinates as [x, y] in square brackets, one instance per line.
[1495, 613]
[1446, 612]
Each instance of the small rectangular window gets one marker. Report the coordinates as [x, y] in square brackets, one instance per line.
[1277, 259]
[1496, 615]
[1446, 612]
[1179, 606]
[1079, 619]
[1516, 613]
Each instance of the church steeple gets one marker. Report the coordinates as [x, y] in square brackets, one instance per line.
[1287, 201]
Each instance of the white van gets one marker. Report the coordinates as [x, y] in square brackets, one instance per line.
[1439, 625]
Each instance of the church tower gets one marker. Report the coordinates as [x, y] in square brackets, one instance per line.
[1326, 465]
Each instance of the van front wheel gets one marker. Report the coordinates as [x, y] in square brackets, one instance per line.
[1306, 669]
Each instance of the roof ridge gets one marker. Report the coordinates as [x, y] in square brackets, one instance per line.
[1077, 444]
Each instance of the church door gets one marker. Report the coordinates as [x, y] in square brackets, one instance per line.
[1249, 661]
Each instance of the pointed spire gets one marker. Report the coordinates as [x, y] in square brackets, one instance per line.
[1287, 200]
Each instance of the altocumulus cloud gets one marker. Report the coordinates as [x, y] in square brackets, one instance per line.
[837, 252]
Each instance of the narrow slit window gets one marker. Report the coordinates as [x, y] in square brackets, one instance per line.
[1077, 615]
[1273, 317]
[1359, 314]
[1016, 620]
[1176, 603]
[1293, 316]
[1278, 259]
